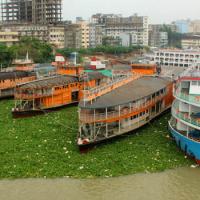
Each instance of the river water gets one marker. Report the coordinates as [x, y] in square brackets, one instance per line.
[179, 184]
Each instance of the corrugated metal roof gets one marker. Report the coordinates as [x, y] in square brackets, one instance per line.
[50, 82]
[132, 91]
[14, 75]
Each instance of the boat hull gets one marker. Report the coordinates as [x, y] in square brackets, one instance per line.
[31, 113]
[187, 145]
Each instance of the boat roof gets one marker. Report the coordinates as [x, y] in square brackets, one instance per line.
[58, 80]
[49, 82]
[130, 92]
[14, 75]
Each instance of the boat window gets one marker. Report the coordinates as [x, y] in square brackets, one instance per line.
[194, 83]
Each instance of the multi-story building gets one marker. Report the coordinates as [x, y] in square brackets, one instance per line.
[157, 37]
[179, 58]
[84, 25]
[95, 35]
[9, 37]
[73, 36]
[114, 25]
[57, 36]
[182, 25]
[31, 11]
[194, 26]
[190, 42]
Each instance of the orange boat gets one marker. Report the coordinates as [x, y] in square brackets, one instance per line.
[43, 95]
[9, 80]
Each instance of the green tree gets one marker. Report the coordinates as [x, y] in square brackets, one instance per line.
[39, 51]
[6, 56]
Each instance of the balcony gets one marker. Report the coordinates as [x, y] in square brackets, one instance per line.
[184, 116]
[185, 96]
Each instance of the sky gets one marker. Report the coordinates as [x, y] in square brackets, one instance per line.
[159, 11]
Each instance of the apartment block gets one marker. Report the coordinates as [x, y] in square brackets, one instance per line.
[114, 25]
[171, 57]
[31, 11]
[9, 37]
[190, 42]
[73, 36]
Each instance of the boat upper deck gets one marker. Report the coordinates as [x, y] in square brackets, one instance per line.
[132, 91]
[14, 75]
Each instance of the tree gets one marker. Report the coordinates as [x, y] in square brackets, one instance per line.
[6, 56]
[39, 51]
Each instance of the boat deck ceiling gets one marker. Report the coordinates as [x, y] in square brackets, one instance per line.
[130, 92]
[14, 75]
[50, 82]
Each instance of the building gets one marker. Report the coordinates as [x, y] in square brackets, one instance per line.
[57, 36]
[170, 57]
[95, 35]
[157, 37]
[11, 33]
[9, 37]
[190, 42]
[31, 11]
[194, 26]
[114, 25]
[111, 41]
[84, 25]
[182, 26]
[73, 36]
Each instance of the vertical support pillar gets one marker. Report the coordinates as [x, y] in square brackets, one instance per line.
[106, 122]
[119, 119]
[187, 131]
[33, 101]
[94, 123]
[130, 110]
[79, 115]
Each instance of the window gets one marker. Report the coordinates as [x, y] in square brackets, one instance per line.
[194, 83]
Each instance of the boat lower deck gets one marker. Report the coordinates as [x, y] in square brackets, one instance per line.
[116, 132]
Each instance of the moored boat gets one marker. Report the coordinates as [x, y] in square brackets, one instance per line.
[185, 122]
[53, 92]
[124, 105]
[9, 80]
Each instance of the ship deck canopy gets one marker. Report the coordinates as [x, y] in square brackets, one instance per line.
[13, 75]
[128, 93]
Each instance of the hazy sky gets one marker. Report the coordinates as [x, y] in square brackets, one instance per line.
[159, 11]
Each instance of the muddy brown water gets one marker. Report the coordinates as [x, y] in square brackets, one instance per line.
[179, 184]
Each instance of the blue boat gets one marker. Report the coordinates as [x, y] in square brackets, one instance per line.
[185, 122]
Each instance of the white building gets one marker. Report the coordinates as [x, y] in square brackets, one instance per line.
[179, 58]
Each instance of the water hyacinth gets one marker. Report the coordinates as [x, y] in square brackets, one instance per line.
[44, 146]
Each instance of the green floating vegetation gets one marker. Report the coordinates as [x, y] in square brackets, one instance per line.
[45, 146]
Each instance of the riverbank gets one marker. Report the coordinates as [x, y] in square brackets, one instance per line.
[45, 146]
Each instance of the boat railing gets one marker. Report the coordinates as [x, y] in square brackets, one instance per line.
[187, 97]
[95, 117]
[30, 96]
[93, 93]
[184, 116]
